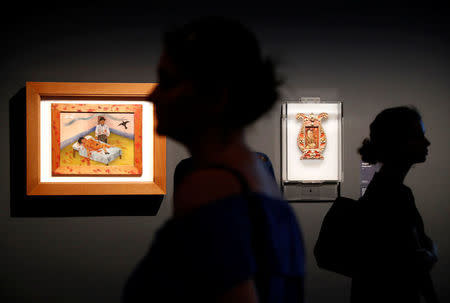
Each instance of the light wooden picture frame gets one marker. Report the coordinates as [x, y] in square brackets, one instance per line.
[147, 175]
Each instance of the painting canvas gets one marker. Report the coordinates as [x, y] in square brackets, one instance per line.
[312, 139]
[96, 139]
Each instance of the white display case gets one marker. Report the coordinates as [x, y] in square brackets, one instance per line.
[311, 150]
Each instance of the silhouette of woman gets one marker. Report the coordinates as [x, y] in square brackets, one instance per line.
[232, 237]
[395, 253]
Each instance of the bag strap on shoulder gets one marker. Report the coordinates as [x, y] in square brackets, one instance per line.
[258, 229]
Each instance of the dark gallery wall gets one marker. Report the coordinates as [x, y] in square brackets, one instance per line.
[370, 60]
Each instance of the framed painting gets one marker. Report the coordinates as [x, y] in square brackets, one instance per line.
[93, 139]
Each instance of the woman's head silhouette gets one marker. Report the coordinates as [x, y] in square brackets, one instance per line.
[397, 136]
[212, 75]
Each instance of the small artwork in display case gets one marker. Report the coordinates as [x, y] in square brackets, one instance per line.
[312, 139]
[311, 150]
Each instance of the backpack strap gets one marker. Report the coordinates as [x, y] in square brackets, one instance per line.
[257, 230]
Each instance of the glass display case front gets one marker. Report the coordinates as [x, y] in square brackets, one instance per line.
[311, 150]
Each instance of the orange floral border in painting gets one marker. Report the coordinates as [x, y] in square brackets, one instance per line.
[97, 170]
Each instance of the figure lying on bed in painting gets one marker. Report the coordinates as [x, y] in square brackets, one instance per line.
[96, 150]
[91, 144]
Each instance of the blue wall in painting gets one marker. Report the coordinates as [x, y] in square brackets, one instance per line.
[121, 133]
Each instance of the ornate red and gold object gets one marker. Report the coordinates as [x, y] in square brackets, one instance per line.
[312, 139]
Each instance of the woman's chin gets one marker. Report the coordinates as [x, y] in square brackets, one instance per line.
[421, 159]
[168, 132]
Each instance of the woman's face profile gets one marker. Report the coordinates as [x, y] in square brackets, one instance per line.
[417, 143]
[413, 146]
[175, 100]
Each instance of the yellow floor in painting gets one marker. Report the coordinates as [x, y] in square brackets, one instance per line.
[126, 144]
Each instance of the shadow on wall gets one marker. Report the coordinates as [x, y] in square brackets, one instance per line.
[22, 205]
